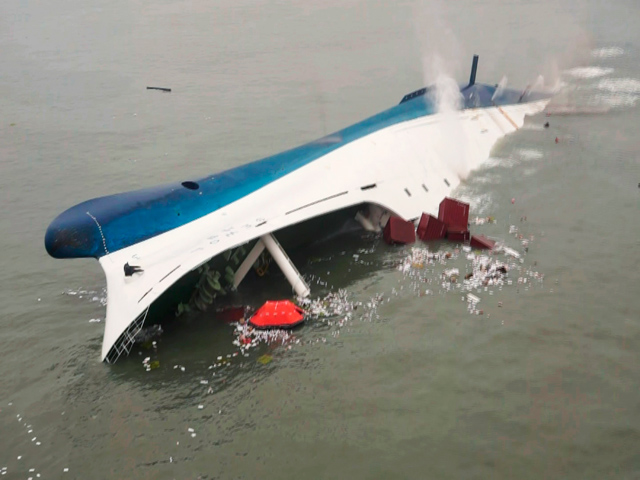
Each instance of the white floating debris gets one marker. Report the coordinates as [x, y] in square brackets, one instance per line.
[451, 272]
[191, 430]
[200, 407]
[193, 435]
[65, 469]
[511, 251]
[472, 298]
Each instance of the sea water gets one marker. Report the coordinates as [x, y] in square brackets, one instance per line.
[400, 376]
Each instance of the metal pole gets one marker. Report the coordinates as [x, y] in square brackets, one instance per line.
[245, 266]
[285, 264]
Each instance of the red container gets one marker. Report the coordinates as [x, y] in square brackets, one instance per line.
[481, 242]
[454, 213]
[430, 228]
[455, 234]
[231, 314]
[400, 231]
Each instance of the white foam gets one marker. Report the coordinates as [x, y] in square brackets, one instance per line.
[613, 101]
[607, 52]
[493, 162]
[620, 85]
[485, 179]
[589, 72]
[480, 204]
[532, 126]
[618, 92]
[529, 154]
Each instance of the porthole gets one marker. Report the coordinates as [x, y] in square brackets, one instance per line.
[190, 185]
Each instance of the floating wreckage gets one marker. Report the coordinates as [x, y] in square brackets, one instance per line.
[156, 244]
[452, 223]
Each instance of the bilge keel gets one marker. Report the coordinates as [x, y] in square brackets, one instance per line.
[402, 161]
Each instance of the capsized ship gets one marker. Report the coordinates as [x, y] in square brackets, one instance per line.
[402, 161]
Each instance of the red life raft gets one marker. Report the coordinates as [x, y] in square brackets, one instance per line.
[277, 314]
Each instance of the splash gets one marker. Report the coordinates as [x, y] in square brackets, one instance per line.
[452, 143]
[445, 93]
[538, 84]
[502, 84]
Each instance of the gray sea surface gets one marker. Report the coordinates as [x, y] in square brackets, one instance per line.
[414, 383]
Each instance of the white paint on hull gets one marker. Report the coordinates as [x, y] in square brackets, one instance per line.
[410, 163]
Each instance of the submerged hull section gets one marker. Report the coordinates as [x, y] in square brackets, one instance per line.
[405, 160]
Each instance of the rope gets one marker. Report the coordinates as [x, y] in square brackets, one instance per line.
[263, 264]
[508, 117]
[104, 241]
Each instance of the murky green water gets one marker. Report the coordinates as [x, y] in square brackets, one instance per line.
[411, 385]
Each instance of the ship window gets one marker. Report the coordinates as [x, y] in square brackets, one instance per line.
[406, 190]
[447, 182]
[190, 185]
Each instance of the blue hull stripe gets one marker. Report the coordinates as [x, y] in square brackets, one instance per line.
[104, 225]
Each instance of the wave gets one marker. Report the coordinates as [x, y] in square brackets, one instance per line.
[529, 154]
[618, 92]
[620, 85]
[613, 101]
[607, 52]
[589, 72]
[479, 203]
